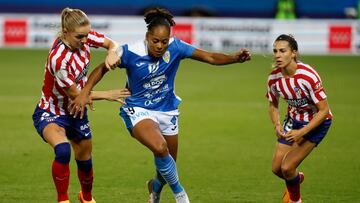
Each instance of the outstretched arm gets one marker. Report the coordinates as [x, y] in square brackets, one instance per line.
[85, 97]
[221, 59]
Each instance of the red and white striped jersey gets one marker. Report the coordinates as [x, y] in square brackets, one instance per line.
[64, 68]
[301, 92]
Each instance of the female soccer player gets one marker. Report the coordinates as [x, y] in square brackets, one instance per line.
[65, 75]
[308, 115]
[151, 112]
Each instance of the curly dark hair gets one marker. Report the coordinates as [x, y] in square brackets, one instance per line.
[158, 16]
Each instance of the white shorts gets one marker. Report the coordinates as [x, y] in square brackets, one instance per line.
[168, 121]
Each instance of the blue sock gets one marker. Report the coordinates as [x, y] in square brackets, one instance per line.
[158, 182]
[167, 168]
[85, 166]
[293, 181]
[62, 153]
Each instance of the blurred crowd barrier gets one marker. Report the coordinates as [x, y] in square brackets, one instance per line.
[218, 34]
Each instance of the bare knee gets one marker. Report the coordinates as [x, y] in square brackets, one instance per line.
[82, 149]
[288, 170]
[160, 149]
[276, 169]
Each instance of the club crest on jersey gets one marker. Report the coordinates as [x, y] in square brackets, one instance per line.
[153, 67]
[298, 91]
[166, 57]
[318, 86]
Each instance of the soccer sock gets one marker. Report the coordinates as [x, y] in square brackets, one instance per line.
[61, 170]
[167, 168]
[86, 177]
[293, 186]
[158, 182]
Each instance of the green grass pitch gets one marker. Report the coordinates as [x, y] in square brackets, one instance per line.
[226, 137]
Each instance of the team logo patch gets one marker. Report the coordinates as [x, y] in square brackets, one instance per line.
[298, 91]
[166, 57]
[318, 86]
[48, 118]
[153, 67]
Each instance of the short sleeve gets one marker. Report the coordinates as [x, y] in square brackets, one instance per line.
[186, 50]
[95, 39]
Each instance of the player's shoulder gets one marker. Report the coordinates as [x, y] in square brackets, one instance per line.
[139, 48]
[275, 73]
[306, 69]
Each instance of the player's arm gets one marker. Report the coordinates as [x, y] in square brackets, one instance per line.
[320, 116]
[113, 54]
[221, 59]
[86, 95]
[275, 118]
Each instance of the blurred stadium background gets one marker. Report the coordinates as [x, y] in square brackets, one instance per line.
[226, 137]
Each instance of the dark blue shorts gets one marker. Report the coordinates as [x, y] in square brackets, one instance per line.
[314, 136]
[75, 128]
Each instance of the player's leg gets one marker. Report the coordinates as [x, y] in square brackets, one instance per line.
[156, 184]
[289, 168]
[56, 137]
[279, 154]
[148, 133]
[82, 151]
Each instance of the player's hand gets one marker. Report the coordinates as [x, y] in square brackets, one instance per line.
[243, 55]
[294, 136]
[112, 59]
[279, 131]
[118, 95]
[78, 105]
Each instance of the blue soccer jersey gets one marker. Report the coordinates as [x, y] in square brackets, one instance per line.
[151, 80]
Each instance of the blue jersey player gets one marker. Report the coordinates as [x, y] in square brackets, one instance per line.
[151, 112]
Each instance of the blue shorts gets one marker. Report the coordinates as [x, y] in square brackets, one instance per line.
[75, 128]
[314, 136]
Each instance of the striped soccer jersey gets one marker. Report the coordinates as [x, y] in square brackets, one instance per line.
[301, 92]
[64, 68]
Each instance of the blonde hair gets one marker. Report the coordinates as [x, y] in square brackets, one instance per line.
[71, 19]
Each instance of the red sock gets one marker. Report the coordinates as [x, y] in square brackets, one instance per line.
[61, 174]
[293, 186]
[86, 181]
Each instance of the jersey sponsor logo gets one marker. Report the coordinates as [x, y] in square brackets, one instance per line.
[166, 57]
[151, 94]
[153, 67]
[83, 73]
[297, 102]
[153, 101]
[155, 82]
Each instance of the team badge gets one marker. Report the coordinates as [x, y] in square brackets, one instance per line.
[298, 91]
[166, 57]
[318, 86]
[153, 67]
